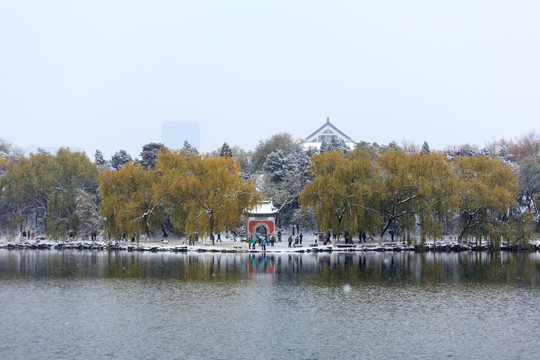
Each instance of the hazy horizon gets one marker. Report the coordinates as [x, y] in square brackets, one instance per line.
[106, 75]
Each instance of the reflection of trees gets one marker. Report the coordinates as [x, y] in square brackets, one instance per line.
[429, 268]
[522, 268]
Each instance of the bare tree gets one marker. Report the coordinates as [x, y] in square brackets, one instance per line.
[526, 145]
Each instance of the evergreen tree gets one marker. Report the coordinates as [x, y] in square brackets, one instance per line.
[298, 161]
[226, 150]
[529, 181]
[87, 212]
[334, 145]
[120, 158]
[275, 165]
[282, 141]
[285, 176]
[484, 152]
[189, 149]
[149, 155]
[425, 148]
[98, 158]
[504, 154]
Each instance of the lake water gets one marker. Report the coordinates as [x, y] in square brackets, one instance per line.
[99, 305]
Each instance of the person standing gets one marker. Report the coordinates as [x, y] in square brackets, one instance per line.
[254, 241]
[290, 240]
[264, 245]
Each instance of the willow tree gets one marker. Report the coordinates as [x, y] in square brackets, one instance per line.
[400, 191]
[171, 190]
[71, 173]
[216, 197]
[487, 191]
[199, 194]
[437, 188]
[418, 190]
[368, 190]
[341, 191]
[26, 188]
[128, 202]
[45, 186]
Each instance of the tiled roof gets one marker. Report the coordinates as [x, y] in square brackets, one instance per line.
[329, 125]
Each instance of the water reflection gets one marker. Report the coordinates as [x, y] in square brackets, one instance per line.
[504, 268]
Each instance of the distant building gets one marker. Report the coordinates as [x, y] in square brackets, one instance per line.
[174, 133]
[327, 133]
[262, 219]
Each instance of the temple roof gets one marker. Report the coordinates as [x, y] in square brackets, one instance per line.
[328, 126]
[264, 208]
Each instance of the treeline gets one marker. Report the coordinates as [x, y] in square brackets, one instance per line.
[378, 190]
[401, 194]
[66, 194]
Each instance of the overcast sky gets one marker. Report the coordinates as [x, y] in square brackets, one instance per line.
[106, 74]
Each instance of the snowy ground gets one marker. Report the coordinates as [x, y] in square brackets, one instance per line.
[229, 245]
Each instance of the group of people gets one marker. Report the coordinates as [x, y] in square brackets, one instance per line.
[218, 238]
[262, 241]
[326, 238]
[297, 240]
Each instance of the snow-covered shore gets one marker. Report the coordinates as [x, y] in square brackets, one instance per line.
[242, 247]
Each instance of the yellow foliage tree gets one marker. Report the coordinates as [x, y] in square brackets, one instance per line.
[487, 190]
[172, 167]
[46, 187]
[4, 163]
[437, 187]
[401, 191]
[216, 197]
[342, 191]
[198, 193]
[128, 201]
[419, 189]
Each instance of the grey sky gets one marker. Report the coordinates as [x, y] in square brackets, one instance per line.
[106, 74]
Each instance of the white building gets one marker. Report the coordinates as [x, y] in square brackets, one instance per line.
[327, 133]
[262, 219]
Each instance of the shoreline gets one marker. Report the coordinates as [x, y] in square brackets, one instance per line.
[241, 247]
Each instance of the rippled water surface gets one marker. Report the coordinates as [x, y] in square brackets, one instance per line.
[95, 305]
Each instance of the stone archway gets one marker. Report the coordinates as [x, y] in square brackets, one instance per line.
[261, 228]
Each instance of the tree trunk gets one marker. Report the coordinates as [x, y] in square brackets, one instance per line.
[385, 228]
[212, 227]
